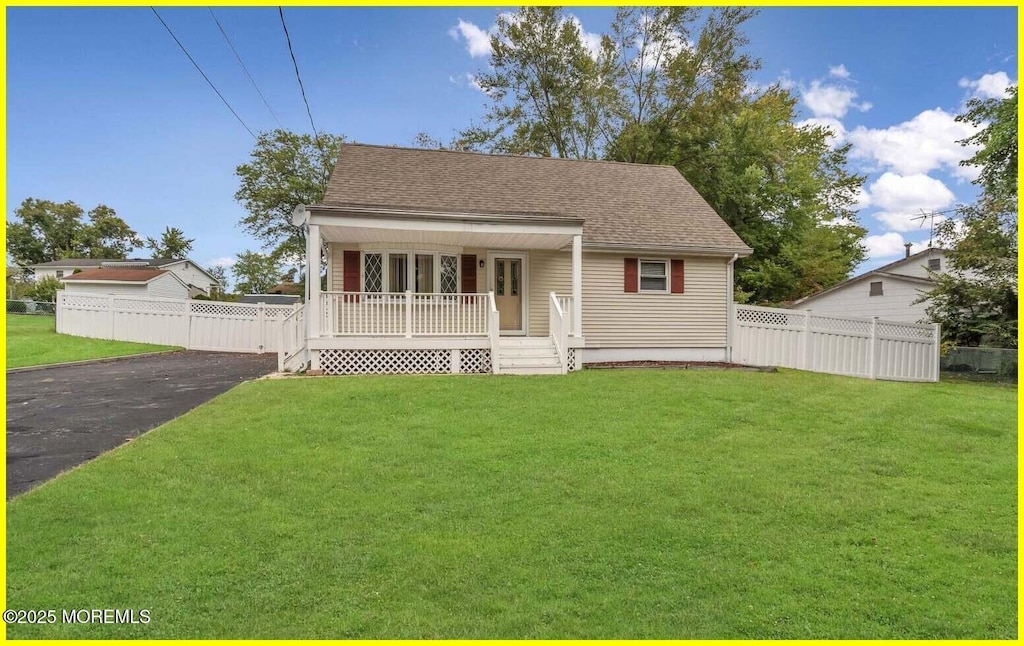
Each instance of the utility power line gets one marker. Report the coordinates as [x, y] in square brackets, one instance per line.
[244, 68]
[200, 70]
[295, 64]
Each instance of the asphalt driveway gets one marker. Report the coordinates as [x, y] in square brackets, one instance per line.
[62, 416]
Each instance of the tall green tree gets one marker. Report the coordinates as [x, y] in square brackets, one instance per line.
[285, 169]
[671, 85]
[220, 273]
[171, 244]
[975, 301]
[549, 94]
[256, 273]
[44, 230]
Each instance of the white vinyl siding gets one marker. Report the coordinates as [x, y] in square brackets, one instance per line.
[615, 319]
[167, 286]
[190, 274]
[895, 303]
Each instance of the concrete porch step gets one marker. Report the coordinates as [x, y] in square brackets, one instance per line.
[526, 362]
[532, 370]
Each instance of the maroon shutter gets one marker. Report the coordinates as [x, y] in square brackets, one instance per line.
[350, 273]
[677, 276]
[468, 273]
[631, 273]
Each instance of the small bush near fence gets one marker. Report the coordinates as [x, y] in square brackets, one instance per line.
[31, 307]
[981, 364]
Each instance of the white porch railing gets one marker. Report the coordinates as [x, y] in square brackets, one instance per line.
[565, 302]
[558, 326]
[293, 338]
[404, 314]
[493, 323]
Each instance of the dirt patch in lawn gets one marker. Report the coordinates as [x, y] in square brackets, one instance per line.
[678, 365]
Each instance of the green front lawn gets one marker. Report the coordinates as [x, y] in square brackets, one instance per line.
[625, 504]
[33, 341]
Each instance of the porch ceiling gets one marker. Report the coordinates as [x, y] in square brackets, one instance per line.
[475, 238]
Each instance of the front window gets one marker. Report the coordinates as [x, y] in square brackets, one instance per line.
[398, 272]
[449, 274]
[653, 276]
[422, 273]
[373, 272]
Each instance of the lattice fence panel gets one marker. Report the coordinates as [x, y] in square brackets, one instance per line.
[385, 362]
[144, 305]
[224, 309]
[571, 359]
[906, 330]
[766, 316]
[833, 324]
[71, 299]
[475, 361]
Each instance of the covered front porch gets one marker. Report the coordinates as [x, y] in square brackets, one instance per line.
[431, 292]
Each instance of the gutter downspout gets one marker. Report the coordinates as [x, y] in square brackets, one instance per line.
[730, 308]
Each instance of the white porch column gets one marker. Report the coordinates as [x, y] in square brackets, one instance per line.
[577, 285]
[313, 279]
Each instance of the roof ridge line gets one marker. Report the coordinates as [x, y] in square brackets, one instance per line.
[509, 156]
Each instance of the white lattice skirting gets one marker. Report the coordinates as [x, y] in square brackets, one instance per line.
[405, 362]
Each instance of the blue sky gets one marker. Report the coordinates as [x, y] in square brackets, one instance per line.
[104, 108]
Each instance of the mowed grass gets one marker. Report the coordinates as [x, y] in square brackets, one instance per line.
[604, 504]
[33, 341]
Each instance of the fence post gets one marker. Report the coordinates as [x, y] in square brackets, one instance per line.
[805, 362]
[408, 313]
[872, 359]
[261, 316]
[938, 345]
[110, 316]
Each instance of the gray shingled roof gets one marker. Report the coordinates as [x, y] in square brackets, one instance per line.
[96, 262]
[621, 204]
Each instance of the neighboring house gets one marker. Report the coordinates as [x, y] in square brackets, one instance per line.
[269, 299]
[197, 279]
[887, 292]
[141, 282]
[641, 265]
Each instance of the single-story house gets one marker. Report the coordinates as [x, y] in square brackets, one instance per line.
[141, 282]
[270, 299]
[888, 292]
[443, 261]
[199, 281]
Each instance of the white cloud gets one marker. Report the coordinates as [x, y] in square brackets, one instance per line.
[475, 84]
[889, 245]
[830, 100]
[592, 41]
[925, 143]
[885, 245]
[226, 261]
[989, 86]
[862, 200]
[901, 198]
[836, 127]
[478, 41]
[839, 71]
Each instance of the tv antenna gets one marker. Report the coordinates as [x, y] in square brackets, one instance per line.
[931, 226]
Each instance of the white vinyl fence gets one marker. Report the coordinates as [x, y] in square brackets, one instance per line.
[858, 347]
[191, 324]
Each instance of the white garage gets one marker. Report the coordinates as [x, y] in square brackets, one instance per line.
[141, 282]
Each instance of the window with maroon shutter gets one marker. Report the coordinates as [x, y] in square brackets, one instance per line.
[350, 272]
[469, 273]
[678, 276]
[631, 275]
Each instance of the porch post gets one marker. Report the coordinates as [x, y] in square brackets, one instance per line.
[577, 285]
[313, 279]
